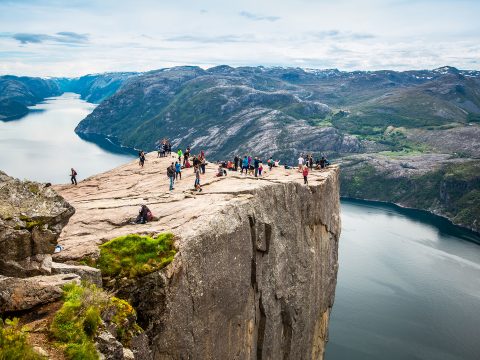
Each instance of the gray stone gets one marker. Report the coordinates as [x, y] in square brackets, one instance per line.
[108, 346]
[86, 273]
[32, 216]
[18, 294]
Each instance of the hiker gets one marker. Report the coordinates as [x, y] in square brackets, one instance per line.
[159, 150]
[178, 171]
[220, 171]
[256, 164]
[186, 155]
[180, 154]
[305, 174]
[171, 175]
[260, 169]
[73, 176]
[141, 156]
[310, 161]
[203, 163]
[236, 160]
[270, 163]
[245, 164]
[301, 160]
[323, 162]
[197, 185]
[169, 149]
[195, 161]
[144, 215]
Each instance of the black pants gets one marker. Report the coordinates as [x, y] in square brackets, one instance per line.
[202, 166]
[74, 180]
[305, 181]
[256, 172]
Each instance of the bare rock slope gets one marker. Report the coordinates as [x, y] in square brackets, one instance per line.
[255, 271]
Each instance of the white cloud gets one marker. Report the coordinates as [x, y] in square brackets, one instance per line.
[56, 38]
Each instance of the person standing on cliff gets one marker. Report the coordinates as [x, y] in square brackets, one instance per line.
[256, 164]
[180, 154]
[73, 176]
[245, 165]
[171, 175]
[197, 185]
[141, 156]
[301, 160]
[305, 174]
[178, 171]
[236, 160]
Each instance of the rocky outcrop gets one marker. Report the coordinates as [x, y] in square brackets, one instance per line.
[86, 273]
[442, 184]
[32, 216]
[18, 294]
[255, 271]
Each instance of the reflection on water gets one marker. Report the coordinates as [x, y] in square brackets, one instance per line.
[43, 146]
[408, 287]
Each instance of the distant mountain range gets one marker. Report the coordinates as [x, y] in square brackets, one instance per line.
[17, 93]
[409, 137]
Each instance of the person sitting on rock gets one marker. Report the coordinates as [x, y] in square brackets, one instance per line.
[144, 215]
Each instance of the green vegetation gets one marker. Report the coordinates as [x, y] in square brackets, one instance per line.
[84, 311]
[13, 342]
[454, 189]
[134, 255]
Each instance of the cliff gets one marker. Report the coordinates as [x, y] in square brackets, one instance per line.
[255, 271]
[17, 93]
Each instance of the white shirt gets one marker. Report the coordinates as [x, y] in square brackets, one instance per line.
[300, 160]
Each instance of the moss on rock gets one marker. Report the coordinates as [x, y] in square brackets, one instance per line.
[134, 255]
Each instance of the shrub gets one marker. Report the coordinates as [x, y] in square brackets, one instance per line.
[13, 342]
[134, 255]
[81, 316]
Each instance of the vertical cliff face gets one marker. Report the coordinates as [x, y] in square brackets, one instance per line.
[255, 272]
[257, 281]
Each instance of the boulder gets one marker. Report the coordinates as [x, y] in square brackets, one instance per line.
[108, 346]
[86, 273]
[32, 215]
[18, 294]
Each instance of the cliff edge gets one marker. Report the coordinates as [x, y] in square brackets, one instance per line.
[255, 271]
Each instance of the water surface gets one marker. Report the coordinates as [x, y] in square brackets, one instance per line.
[408, 287]
[43, 146]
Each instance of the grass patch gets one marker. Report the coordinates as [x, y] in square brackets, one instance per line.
[86, 309]
[13, 342]
[134, 255]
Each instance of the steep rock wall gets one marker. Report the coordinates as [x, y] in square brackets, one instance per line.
[257, 281]
[255, 272]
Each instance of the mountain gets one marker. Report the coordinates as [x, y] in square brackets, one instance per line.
[398, 135]
[95, 88]
[17, 93]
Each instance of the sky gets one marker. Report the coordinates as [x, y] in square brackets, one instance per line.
[73, 38]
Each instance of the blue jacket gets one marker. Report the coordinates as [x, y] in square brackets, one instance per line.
[245, 162]
[178, 167]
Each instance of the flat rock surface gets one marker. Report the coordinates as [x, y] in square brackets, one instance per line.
[108, 203]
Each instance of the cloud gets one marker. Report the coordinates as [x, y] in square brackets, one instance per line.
[340, 35]
[64, 37]
[257, 17]
[213, 39]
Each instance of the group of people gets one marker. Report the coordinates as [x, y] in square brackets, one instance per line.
[304, 163]
[164, 148]
[174, 171]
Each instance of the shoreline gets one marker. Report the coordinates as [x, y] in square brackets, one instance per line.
[468, 233]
